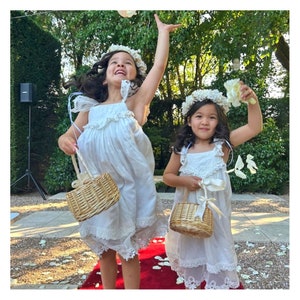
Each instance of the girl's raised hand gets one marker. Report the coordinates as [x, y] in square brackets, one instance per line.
[163, 26]
[247, 93]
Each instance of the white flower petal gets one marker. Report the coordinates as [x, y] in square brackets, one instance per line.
[239, 163]
[240, 174]
[251, 165]
[249, 157]
[159, 258]
[179, 280]
[233, 91]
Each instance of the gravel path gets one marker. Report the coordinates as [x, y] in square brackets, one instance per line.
[65, 263]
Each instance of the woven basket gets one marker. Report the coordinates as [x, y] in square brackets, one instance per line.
[183, 220]
[93, 195]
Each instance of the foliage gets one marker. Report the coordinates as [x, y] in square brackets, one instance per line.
[35, 58]
[60, 173]
[201, 55]
[163, 188]
[271, 159]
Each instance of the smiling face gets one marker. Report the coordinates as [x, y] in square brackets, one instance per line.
[121, 66]
[204, 122]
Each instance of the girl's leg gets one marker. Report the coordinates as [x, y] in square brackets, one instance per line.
[109, 268]
[131, 272]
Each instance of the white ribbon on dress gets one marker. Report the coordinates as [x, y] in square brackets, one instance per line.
[128, 88]
[212, 185]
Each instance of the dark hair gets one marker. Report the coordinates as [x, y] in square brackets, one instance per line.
[185, 134]
[91, 83]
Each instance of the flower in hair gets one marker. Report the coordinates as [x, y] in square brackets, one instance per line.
[200, 95]
[135, 54]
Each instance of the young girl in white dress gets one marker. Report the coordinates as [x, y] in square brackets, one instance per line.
[199, 158]
[113, 107]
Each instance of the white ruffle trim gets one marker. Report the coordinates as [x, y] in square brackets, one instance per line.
[207, 172]
[101, 123]
[83, 103]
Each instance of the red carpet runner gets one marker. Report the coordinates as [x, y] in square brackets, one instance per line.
[156, 272]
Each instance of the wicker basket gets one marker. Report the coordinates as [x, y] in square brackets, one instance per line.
[93, 195]
[183, 220]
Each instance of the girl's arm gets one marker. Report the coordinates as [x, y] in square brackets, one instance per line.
[144, 96]
[255, 121]
[171, 177]
[67, 142]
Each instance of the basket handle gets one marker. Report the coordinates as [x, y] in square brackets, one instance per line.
[83, 162]
[185, 195]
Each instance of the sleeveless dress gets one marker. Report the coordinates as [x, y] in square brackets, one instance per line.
[212, 259]
[114, 142]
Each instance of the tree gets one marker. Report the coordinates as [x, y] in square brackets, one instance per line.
[201, 55]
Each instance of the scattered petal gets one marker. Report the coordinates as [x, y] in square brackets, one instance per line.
[159, 258]
[42, 243]
[251, 245]
[30, 264]
[179, 280]
[254, 272]
[240, 174]
[264, 275]
[251, 165]
[245, 276]
[246, 251]
[249, 281]
[239, 163]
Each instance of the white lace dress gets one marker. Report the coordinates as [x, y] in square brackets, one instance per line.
[114, 142]
[213, 259]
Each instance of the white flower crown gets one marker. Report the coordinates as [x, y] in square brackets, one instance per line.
[200, 95]
[142, 68]
[233, 97]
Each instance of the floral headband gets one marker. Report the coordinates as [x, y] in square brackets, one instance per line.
[233, 97]
[201, 95]
[142, 68]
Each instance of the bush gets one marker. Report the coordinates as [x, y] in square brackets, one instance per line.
[60, 173]
[270, 156]
[163, 188]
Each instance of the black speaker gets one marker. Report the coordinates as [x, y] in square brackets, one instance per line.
[26, 92]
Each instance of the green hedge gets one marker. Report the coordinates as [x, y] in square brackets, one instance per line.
[35, 58]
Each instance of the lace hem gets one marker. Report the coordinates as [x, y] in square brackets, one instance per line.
[128, 247]
[191, 283]
[214, 269]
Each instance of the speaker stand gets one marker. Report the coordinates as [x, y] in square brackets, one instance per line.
[28, 172]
